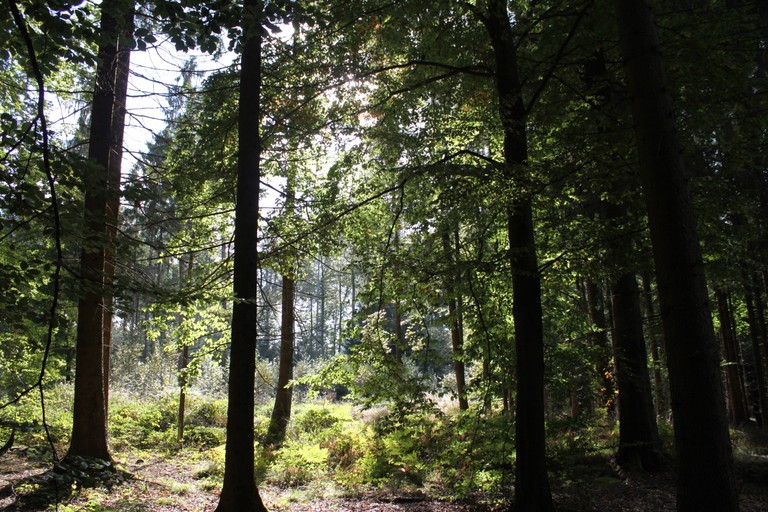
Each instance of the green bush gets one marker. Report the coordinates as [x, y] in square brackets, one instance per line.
[298, 464]
[204, 437]
[205, 412]
[316, 419]
[142, 423]
[27, 416]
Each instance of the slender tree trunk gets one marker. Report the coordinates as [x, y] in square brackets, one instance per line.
[602, 343]
[532, 491]
[455, 316]
[705, 461]
[185, 275]
[239, 492]
[757, 336]
[399, 334]
[281, 412]
[321, 313]
[340, 329]
[736, 399]
[658, 381]
[89, 424]
[638, 436]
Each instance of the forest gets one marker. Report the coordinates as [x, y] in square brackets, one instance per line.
[384, 255]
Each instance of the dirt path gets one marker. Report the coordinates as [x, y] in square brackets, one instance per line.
[172, 484]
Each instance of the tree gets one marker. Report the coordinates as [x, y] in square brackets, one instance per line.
[281, 412]
[532, 490]
[705, 478]
[101, 183]
[239, 492]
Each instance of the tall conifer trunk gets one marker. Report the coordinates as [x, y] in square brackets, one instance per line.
[101, 185]
[239, 492]
[705, 479]
[114, 173]
[532, 491]
[638, 434]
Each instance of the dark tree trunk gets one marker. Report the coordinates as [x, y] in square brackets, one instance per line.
[757, 336]
[455, 316]
[532, 490]
[602, 343]
[658, 381]
[281, 412]
[114, 172]
[89, 422]
[239, 492]
[705, 461]
[733, 381]
[638, 435]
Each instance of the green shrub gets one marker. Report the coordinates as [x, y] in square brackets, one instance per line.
[316, 419]
[27, 416]
[204, 412]
[204, 437]
[142, 423]
[298, 464]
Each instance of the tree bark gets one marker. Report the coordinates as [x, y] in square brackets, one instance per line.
[281, 412]
[705, 479]
[638, 435]
[239, 492]
[757, 336]
[114, 172]
[602, 343]
[658, 381]
[532, 490]
[183, 355]
[739, 411]
[101, 183]
[455, 316]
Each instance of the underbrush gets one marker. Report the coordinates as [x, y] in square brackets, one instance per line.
[330, 447]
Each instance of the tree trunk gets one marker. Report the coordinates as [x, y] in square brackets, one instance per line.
[114, 172]
[239, 492]
[737, 401]
[183, 355]
[705, 461]
[321, 314]
[281, 412]
[602, 343]
[89, 422]
[455, 316]
[638, 435]
[658, 381]
[756, 335]
[532, 491]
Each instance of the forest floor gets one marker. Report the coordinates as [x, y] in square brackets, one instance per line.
[162, 483]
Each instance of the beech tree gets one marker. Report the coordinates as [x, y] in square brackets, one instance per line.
[239, 492]
[532, 490]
